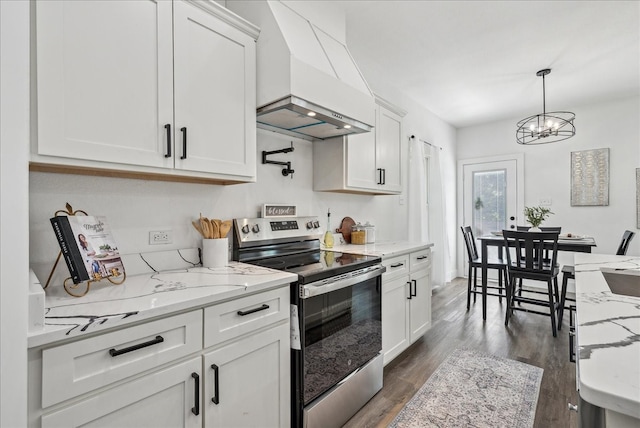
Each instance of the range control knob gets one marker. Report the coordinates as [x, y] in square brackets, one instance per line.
[316, 224]
[245, 229]
[255, 228]
[309, 225]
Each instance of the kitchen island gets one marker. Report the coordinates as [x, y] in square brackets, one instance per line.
[608, 337]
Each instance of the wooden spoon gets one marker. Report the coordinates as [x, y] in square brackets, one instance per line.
[215, 228]
[225, 227]
[206, 227]
[196, 225]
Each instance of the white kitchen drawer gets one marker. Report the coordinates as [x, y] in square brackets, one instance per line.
[396, 266]
[420, 260]
[78, 367]
[237, 317]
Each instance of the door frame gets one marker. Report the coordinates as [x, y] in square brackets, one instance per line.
[461, 254]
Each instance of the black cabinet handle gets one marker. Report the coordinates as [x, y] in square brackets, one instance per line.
[410, 293]
[196, 409]
[216, 398]
[114, 352]
[379, 176]
[415, 288]
[395, 265]
[421, 257]
[254, 310]
[572, 335]
[184, 142]
[384, 176]
[168, 128]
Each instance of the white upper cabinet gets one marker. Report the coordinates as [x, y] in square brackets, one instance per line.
[363, 163]
[121, 84]
[215, 92]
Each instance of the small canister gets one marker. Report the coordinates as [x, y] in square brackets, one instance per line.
[358, 234]
[370, 233]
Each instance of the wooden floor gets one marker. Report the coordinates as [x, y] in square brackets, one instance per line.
[528, 338]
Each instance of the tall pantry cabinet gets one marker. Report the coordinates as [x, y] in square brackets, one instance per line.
[165, 87]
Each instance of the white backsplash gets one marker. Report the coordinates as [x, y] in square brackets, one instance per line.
[135, 207]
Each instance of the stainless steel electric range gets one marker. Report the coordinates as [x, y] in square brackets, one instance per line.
[336, 343]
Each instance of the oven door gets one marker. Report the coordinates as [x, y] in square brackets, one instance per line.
[341, 329]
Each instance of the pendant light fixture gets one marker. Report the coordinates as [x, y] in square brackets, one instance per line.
[547, 127]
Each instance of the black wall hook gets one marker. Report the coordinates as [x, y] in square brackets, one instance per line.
[287, 169]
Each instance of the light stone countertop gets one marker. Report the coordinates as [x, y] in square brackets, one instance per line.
[149, 295]
[608, 328]
[383, 249]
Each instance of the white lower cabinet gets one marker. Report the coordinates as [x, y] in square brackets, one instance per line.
[225, 365]
[406, 301]
[166, 398]
[247, 382]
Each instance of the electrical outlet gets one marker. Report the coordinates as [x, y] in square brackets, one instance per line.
[545, 202]
[157, 237]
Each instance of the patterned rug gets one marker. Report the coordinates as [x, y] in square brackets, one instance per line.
[471, 389]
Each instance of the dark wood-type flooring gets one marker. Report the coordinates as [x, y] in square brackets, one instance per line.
[528, 338]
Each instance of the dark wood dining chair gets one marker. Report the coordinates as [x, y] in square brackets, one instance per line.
[475, 263]
[532, 264]
[569, 272]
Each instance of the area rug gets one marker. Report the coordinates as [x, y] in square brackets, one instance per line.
[471, 389]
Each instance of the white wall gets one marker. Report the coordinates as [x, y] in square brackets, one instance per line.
[614, 125]
[14, 156]
[135, 207]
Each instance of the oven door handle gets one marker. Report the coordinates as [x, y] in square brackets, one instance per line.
[323, 287]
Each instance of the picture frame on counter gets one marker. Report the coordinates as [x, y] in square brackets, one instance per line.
[279, 210]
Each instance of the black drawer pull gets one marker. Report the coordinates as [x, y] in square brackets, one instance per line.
[168, 128]
[216, 398]
[254, 310]
[184, 143]
[379, 176]
[422, 257]
[395, 265]
[196, 388]
[114, 352]
[414, 293]
[410, 293]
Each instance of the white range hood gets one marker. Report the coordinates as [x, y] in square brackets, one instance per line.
[308, 85]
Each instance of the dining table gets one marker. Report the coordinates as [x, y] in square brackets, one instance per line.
[574, 243]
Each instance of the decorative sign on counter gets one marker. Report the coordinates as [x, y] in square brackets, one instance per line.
[278, 210]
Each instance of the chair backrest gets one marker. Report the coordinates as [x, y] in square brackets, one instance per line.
[627, 236]
[538, 251]
[542, 228]
[470, 242]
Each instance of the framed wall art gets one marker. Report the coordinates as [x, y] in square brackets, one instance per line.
[590, 178]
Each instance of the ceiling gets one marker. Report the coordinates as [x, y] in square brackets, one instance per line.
[471, 62]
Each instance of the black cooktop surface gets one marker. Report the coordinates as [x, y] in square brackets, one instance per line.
[317, 265]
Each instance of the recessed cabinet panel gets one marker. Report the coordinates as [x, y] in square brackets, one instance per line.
[104, 80]
[214, 94]
[389, 148]
[162, 399]
[253, 381]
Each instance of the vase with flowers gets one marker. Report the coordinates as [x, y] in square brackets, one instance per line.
[535, 216]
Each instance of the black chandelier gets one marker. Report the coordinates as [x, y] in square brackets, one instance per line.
[547, 127]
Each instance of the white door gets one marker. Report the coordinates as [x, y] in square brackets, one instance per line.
[389, 149]
[215, 98]
[420, 303]
[491, 196]
[167, 398]
[105, 80]
[247, 382]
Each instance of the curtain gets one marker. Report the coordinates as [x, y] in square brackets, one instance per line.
[437, 224]
[417, 190]
[426, 206]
